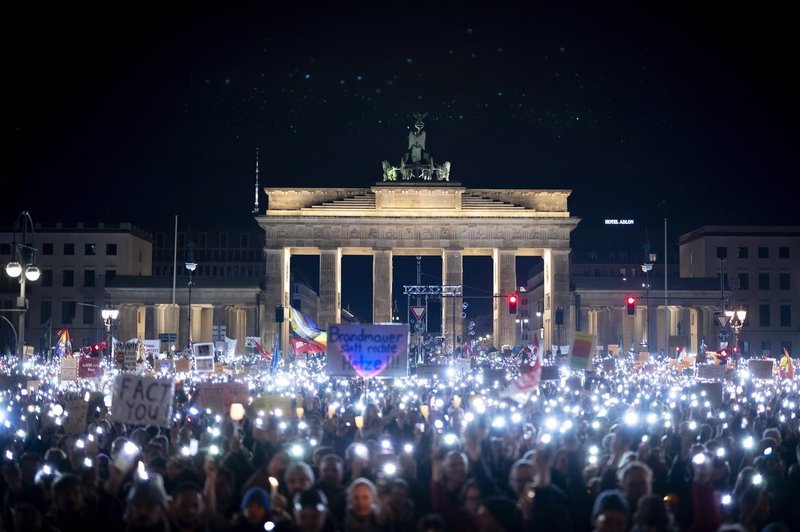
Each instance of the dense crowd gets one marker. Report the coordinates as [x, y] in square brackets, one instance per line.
[640, 450]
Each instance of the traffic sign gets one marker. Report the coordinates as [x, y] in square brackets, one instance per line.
[722, 319]
[168, 337]
[418, 312]
[723, 335]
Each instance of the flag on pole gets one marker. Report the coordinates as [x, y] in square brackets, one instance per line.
[528, 381]
[276, 355]
[255, 342]
[63, 344]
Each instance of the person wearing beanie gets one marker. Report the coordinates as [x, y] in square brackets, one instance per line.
[255, 511]
[146, 510]
[499, 514]
[610, 512]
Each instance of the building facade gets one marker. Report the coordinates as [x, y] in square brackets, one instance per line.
[760, 267]
[77, 261]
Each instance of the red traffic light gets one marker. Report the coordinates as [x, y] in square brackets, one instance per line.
[512, 303]
[630, 304]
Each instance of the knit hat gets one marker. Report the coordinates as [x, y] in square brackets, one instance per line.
[256, 495]
[612, 500]
[504, 511]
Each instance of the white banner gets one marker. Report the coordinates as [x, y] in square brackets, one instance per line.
[367, 350]
[151, 347]
[141, 400]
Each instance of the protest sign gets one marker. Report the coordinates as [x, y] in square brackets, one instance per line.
[367, 350]
[761, 369]
[151, 347]
[183, 365]
[266, 403]
[69, 368]
[613, 350]
[711, 372]
[203, 357]
[141, 400]
[218, 396]
[581, 352]
[77, 411]
[131, 354]
[550, 373]
[32, 385]
[89, 367]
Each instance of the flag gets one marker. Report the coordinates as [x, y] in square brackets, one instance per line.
[255, 342]
[63, 344]
[304, 347]
[276, 355]
[529, 378]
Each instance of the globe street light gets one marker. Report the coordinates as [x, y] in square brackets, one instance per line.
[109, 315]
[191, 266]
[23, 259]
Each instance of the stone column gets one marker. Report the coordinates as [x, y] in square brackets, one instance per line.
[556, 290]
[276, 293]
[382, 286]
[452, 274]
[330, 287]
[504, 267]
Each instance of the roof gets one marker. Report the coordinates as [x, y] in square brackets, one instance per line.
[146, 281]
[740, 230]
[704, 284]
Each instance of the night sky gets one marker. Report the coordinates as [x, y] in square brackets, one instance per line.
[139, 113]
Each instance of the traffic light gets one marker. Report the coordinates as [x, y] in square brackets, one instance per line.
[630, 304]
[512, 303]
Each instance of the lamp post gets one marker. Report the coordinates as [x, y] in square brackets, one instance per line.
[736, 321]
[23, 259]
[191, 266]
[646, 267]
[109, 315]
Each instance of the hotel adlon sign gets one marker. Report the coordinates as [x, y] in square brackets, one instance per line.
[366, 350]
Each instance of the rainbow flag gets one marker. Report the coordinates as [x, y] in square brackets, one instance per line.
[63, 345]
[307, 330]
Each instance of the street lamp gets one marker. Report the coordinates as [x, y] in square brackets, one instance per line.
[109, 315]
[23, 258]
[736, 321]
[191, 266]
[646, 267]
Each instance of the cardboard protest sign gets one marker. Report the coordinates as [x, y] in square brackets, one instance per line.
[218, 396]
[367, 350]
[711, 372]
[151, 347]
[761, 369]
[203, 357]
[69, 368]
[581, 353]
[141, 400]
[183, 365]
[131, 354]
[266, 403]
[77, 412]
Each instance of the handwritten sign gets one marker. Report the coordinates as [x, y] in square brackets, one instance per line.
[218, 396]
[613, 350]
[581, 352]
[463, 365]
[761, 369]
[711, 372]
[367, 350]
[77, 412]
[141, 400]
[69, 368]
[151, 347]
[89, 367]
[183, 365]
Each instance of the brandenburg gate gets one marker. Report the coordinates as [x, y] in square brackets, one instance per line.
[416, 210]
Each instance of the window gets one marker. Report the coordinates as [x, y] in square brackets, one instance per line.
[47, 248]
[784, 281]
[722, 252]
[5, 249]
[783, 252]
[47, 278]
[88, 315]
[763, 253]
[110, 274]
[765, 347]
[763, 281]
[744, 281]
[45, 311]
[202, 240]
[111, 249]
[763, 315]
[786, 315]
[89, 249]
[67, 312]
[68, 278]
[741, 253]
[244, 240]
[223, 240]
[69, 249]
[88, 278]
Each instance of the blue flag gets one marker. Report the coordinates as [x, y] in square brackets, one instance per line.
[276, 355]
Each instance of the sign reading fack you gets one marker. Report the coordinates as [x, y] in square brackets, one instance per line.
[367, 350]
[142, 400]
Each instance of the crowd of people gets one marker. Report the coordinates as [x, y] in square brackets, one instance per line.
[630, 449]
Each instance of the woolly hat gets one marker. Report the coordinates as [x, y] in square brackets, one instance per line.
[610, 500]
[256, 495]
